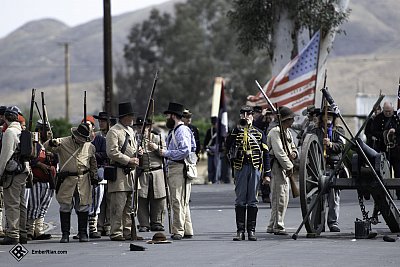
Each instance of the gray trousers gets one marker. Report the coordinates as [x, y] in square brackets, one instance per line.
[180, 189]
[121, 209]
[279, 198]
[15, 205]
[334, 207]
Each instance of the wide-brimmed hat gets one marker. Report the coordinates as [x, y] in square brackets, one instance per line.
[125, 109]
[139, 121]
[329, 110]
[174, 108]
[159, 238]
[103, 115]
[82, 132]
[286, 113]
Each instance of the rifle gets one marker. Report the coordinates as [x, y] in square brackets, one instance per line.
[139, 144]
[45, 119]
[166, 189]
[325, 106]
[84, 107]
[293, 185]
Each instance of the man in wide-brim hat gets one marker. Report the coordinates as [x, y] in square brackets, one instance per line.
[78, 168]
[122, 150]
[180, 142]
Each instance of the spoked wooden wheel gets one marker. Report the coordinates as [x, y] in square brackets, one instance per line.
[311, 179]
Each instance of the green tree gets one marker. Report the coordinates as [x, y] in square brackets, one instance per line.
[60, 127]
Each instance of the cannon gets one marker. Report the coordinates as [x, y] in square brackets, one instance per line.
[369, 174]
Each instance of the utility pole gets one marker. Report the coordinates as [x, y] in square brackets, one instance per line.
[108, 80]
[67, 76]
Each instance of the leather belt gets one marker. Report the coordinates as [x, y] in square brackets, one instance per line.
[153, 169]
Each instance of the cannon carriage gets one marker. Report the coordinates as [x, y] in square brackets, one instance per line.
[370, 176]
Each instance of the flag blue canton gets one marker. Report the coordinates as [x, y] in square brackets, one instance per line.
[308, 59]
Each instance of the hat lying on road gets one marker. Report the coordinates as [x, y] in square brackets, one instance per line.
[134, 247]
[159, 238]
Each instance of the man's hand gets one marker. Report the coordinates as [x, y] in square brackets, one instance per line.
[133, 162]
[54, 142]
[266, 180]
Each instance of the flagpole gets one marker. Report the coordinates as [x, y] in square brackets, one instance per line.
[398, 99]
[319, 51]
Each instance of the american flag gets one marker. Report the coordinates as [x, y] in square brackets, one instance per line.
[294, 86]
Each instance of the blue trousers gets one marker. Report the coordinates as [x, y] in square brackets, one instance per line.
[246, 183]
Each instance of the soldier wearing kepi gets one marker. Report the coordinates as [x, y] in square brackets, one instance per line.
[250, 158]
[121, 149]
[152, 193]
[13, 174]
[282, 166]
[77, 170]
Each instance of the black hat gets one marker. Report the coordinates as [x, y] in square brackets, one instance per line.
[139, 121]
[125, 109]
[214, 119]
[257, 109]
[82, 132]
[286, 113]
[246, 109]
[174, 108]
[309, 110]
[134, 247]
[186, 114]
[2, 110]
[103, 115]
[158, 238]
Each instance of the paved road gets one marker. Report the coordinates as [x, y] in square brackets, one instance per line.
[214, 225]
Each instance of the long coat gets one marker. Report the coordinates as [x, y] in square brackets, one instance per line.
[76, 158]
[152, 160]
[114, 141]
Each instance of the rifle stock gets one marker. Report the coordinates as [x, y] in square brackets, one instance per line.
[293, 185]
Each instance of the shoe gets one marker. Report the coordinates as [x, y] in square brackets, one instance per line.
[23, 240]
[176, 237]
[239, 236]
[334, 229]
[187, 236]
[117, 238]
[280, 232]
[75, 236]
[94, 235]
[270, 231]
[157, 228]
[42, 237]
[9, 241]
[105, 233]
[251, 236]
[143, 229]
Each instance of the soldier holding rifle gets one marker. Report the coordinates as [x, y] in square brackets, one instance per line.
[250, 159]
[121, 149]
[282, 151]
[152, 192]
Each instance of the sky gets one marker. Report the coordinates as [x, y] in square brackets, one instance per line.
[15, 13]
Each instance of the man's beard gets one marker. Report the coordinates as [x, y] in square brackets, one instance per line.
[170, 123]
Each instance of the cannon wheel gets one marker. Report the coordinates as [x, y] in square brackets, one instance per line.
[311, 178]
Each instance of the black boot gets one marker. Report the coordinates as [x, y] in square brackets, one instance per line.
[83, 226]
[65, 218]
[240, 222]
[251, 223]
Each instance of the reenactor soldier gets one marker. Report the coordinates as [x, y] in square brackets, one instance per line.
[249, 156]
[386, 129]
[13, 175]
[152, 193]
[77, 172]
[121, 149]
[103, 221]
[44, 172]
[333, 145]
[282, 166]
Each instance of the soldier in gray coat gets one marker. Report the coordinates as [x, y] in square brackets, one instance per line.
[152, 193]
[121, 149]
